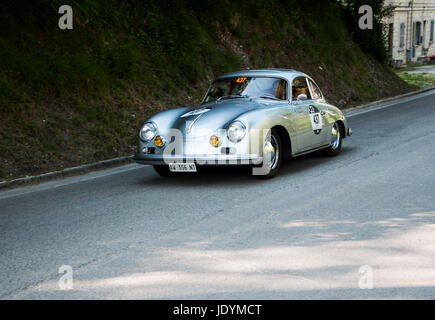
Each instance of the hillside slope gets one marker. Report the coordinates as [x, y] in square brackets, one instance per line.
[69, 97]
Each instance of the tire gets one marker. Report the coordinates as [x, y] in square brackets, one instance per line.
[163, 170]
[274, 164]
[336, 141]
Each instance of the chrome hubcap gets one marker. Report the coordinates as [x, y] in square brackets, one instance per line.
[271, 152]
[335, 139]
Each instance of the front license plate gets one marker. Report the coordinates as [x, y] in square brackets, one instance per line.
[182, 167]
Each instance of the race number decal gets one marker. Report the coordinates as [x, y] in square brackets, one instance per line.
[316, 120]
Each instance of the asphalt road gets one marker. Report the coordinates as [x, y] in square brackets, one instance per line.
[323, 228]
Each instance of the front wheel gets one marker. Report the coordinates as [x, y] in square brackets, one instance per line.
[272, 157]
[336, 140]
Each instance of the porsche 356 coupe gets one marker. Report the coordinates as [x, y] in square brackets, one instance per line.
[253, 117]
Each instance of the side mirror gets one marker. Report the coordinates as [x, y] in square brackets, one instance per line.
[302, 97]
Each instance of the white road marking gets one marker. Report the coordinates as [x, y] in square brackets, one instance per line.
[357, 112]
[67, 181]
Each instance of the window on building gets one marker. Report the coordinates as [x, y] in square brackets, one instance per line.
[432, 25]
[417, 33]
[402, 35]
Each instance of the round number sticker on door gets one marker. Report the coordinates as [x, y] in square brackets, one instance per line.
[316, 120]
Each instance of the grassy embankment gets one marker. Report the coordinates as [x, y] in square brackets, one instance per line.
[69, 97]
[418, 80]
[421, 79]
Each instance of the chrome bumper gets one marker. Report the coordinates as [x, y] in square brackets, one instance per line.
[205, 159]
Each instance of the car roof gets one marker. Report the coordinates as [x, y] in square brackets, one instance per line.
[284, 73]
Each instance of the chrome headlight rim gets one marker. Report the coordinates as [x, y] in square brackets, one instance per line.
[152, 130]
[236, 131]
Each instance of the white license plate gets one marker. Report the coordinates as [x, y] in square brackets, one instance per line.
[182, 167]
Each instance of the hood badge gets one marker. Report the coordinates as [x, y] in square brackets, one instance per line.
[189, 124]
[195, 112]
[198, 113]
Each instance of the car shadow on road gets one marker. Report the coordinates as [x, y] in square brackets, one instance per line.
[240, 175]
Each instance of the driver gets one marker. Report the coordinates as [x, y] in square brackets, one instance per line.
[276, 90]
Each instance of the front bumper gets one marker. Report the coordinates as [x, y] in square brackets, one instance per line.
[201, 159]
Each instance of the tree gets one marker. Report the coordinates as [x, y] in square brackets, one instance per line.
[372, 41]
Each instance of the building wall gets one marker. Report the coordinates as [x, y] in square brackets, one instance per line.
[411, 13]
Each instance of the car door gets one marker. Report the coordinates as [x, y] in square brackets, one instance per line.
[308, 120]
[318, 116]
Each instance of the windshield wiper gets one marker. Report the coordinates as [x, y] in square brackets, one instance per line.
[269, 97]
[232, 96]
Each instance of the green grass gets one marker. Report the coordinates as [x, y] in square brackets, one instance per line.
[418, 80]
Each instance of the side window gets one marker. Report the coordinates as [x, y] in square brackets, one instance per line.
[280, 89]
[317, 95]
[300, 86]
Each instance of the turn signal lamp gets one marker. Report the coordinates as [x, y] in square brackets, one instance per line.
[159, 142]
[214, 141]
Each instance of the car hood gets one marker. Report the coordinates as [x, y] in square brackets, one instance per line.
[207, 118]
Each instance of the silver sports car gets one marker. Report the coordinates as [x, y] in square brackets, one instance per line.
[253, 117]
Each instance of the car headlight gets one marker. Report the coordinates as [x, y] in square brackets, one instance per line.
[236, 131]
[147, 132]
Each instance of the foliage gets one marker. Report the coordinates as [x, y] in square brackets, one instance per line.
[371, 41]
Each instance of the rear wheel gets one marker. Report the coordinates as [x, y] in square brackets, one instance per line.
[163, 170]
[336, 140]
[272, 157]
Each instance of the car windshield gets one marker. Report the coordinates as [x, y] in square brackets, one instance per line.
[247, 87]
